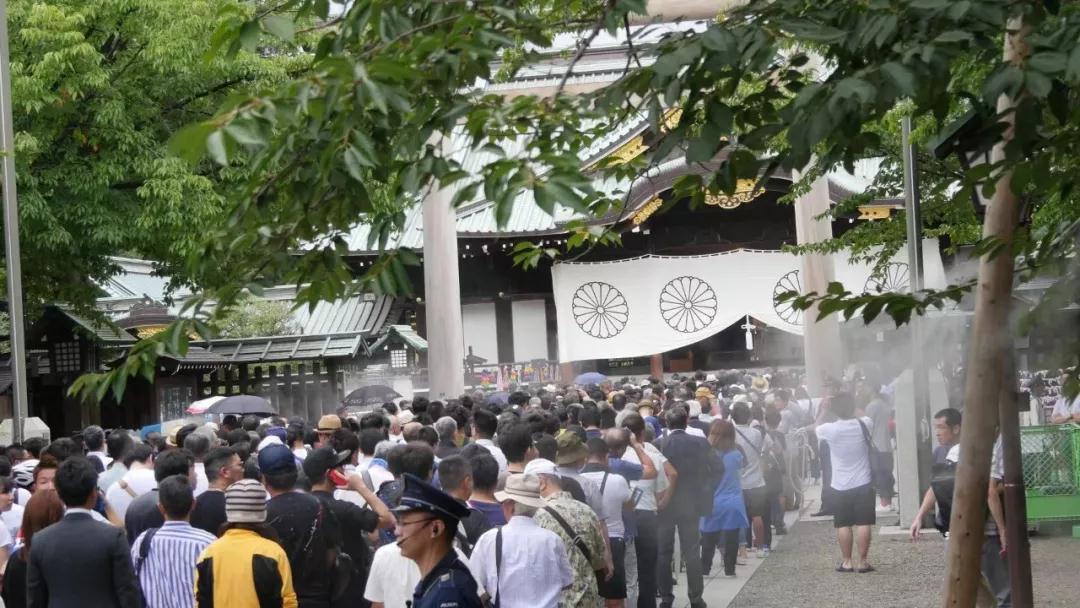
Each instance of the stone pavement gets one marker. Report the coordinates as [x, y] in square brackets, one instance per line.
[800, 571]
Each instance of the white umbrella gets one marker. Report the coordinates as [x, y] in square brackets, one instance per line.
[199, 407]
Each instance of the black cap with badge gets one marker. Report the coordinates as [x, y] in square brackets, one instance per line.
[419, 495]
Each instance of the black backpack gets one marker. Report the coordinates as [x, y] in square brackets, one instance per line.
[942, 482]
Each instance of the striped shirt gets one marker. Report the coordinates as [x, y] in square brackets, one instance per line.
[167, 578]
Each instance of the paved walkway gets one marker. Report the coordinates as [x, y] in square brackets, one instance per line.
[800, 571]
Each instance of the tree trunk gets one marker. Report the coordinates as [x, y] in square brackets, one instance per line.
[990, 339]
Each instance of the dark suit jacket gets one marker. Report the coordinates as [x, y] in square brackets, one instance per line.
[80, 563]
[695, 461]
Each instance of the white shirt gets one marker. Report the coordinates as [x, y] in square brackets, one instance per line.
[848, 452]
[754, 442]
[496, 451]
[7, 539]
[1062, 407]
[111, 476]
[202, 484]
[103, 457]
[649, 487]
[140, 481]
[588, 486]
[534, 570]
[615, 494]
[12, 519]
[378, 473]
[393, 577]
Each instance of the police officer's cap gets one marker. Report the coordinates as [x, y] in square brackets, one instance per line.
[419, 495]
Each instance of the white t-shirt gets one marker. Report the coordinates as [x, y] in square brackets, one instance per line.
[7, 541]
[616, 493]
[393, 577]
[202, 483]
[1062, 407]
[848, 453]
[139, 481]
[649, 487]
[12, 519]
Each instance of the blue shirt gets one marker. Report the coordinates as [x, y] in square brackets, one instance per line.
[448, 585]
[167, 577]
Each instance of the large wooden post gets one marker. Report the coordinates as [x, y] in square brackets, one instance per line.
[821, 339]
[442, 296]
[990, 339]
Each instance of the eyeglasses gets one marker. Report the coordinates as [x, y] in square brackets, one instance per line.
[404, 524]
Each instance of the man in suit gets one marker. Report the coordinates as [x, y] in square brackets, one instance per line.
[694, 461]
[78, 562]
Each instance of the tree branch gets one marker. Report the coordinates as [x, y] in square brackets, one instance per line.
[584, 46]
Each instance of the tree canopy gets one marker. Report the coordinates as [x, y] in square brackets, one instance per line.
[768, 87]
[98, 88]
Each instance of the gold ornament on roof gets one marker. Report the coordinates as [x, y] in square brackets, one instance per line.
[647, 210]
[744, 193]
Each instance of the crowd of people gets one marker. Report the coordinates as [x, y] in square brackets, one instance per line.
[554, 496]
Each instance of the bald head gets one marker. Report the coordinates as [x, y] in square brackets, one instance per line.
[617, 440]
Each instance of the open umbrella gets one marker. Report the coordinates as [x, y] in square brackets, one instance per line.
[242, 405]
[370, 396]
[590, 378]
[199, 407]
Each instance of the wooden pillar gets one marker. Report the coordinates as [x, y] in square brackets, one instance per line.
[566, 373]
[821, 339]
[288, 398]
[244, 383]
[656, 366]
[300, 396]
[314, 399]
[504, 329]
[272, 392]
[332, 383]
[442, 294]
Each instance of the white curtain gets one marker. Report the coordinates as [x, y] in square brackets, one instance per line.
[653, 304]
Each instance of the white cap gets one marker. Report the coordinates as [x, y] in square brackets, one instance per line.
[710, 378]
[551, 388]
[542, 466]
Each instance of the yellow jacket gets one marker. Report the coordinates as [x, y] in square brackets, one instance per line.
[243, 570]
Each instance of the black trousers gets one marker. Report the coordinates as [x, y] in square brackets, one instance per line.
[689, 537]
[709, 542]
[647, 548]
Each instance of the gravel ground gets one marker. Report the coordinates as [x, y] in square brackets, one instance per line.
[800, 572]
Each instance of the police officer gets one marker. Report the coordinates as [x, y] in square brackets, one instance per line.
[426, 521]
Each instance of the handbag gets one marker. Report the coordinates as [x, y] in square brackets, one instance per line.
[878, 478]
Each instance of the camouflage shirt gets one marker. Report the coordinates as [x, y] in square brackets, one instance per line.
[585, 524]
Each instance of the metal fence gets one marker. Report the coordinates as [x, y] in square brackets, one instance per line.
[1051, 459]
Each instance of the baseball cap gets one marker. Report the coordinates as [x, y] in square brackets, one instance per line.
[276, 458]
[329, 423]
[542, 466]
[319, 461]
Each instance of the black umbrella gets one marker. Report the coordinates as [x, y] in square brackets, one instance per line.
[370, 396]
[241, 405]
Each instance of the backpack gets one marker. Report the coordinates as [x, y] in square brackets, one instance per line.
[942, 482]
[390, 493]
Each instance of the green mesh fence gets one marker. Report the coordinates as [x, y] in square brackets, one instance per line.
[1051, 459]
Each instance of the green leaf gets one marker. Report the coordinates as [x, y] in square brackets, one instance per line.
[1038, 84]
[215, 147]
[900, 76]
[281, 26]
[1050, 62]
[189, 143]
[354, 163]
